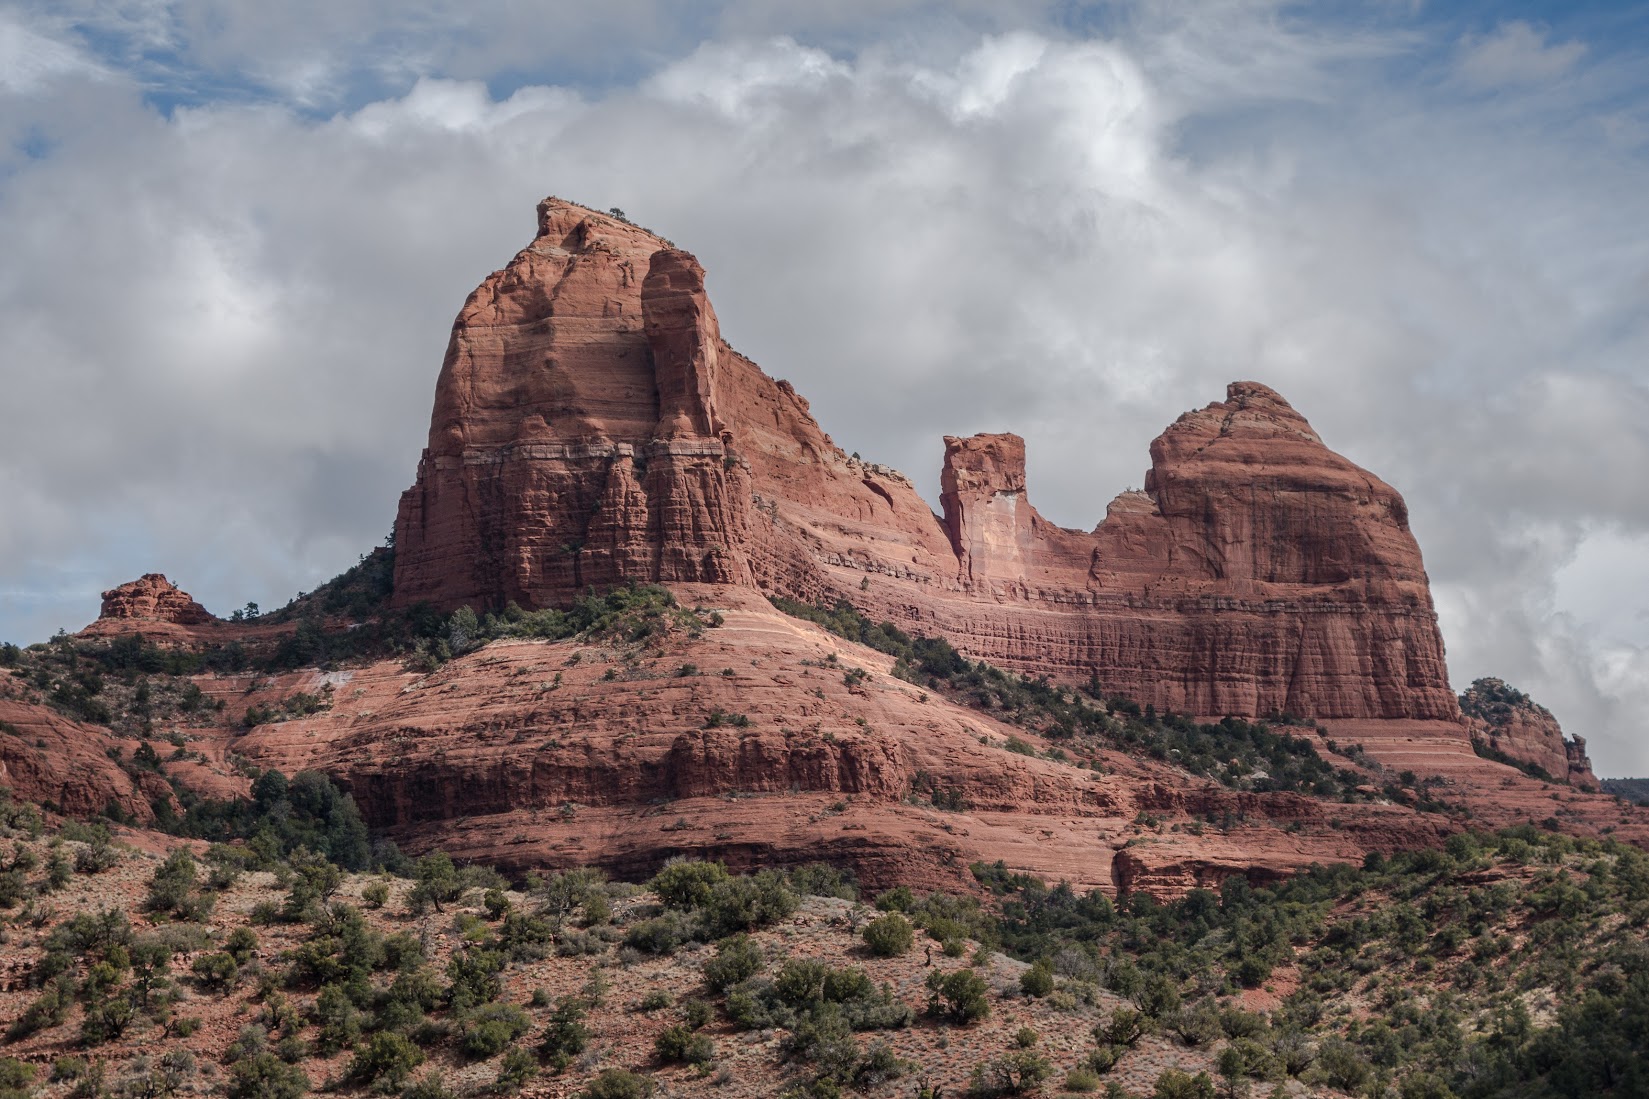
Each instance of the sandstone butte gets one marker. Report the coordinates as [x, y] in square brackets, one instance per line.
[591, 427]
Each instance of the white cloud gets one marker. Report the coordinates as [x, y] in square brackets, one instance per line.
[1516, 54]
[30, 61]
[226, 322]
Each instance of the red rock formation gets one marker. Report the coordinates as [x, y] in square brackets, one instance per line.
[578, 752]
[47, 759]
[591, 426]
[151, 600]
[1507, 721]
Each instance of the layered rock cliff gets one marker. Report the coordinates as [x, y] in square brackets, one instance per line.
[591, 426]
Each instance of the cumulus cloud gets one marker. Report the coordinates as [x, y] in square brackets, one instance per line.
[223, 320]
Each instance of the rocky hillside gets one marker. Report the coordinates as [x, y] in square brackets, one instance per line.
[261, 969]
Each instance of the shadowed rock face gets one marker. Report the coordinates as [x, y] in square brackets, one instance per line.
[592, 427]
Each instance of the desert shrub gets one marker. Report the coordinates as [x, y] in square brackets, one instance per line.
[375, 895]
[566, 890]
[1174, 1084]
[58, 870]
[385, 1061]
[889, 936]
[496, 904]
[1341, 1066]
[820, 879]
[878, 1066]
[680, 1044]
[738, 958]
[688, 884]
[1082, 1080]
[490, 1028]
[151, 959]
[1197, 1025]
[49, 1009]
[337, 1019]
[436, 882]
[697, 1013]
[528, 938]
[747, 904]
[661, 934]
[1103, 1058]
[474, 974]
[14, 886]
[618, 1083]
[1158, 997]
[107, 1018]
[1038, 980]
[566, 1036]
[265, 1076]
[654, 939]
[342, 947]
[172, 883]
[15, 1077]
[1017, 1072]
[1125, 1027]
[157, 1077]
[823, 1038]
[961, 996]
[656, 1000]
[515, 1068]
[241, 944]
[216, 971]
[99, 852]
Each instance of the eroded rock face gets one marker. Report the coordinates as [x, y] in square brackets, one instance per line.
[591, 426]
[588, 751]
[50, 760]
[1510, 722]
[574, 439]
[152, 598]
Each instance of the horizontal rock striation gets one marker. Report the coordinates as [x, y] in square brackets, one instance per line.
[591, 426]
[151, 605]
[532, 754]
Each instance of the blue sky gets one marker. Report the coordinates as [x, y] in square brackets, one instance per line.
[237, 236]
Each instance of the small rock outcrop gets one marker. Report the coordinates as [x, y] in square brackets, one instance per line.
[153, 598]
[153, 606]
[591, 426]
[1506, 721]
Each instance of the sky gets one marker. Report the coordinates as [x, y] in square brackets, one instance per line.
[233, 238]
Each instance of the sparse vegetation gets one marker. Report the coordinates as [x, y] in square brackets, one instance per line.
[1240, 754]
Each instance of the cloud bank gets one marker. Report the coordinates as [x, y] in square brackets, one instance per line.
[235, 247]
